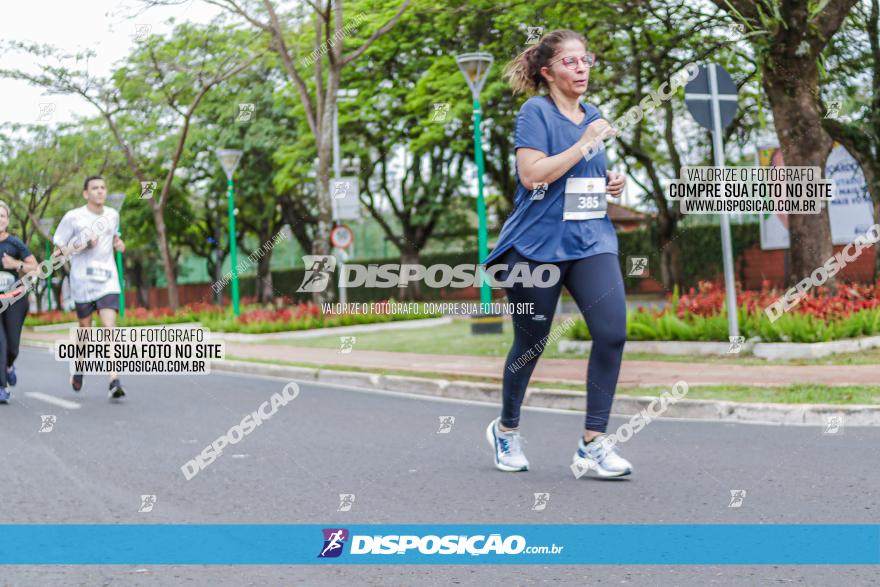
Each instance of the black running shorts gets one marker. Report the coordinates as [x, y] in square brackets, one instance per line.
[85, 309]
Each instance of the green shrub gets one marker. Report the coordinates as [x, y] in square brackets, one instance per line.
[790, 327]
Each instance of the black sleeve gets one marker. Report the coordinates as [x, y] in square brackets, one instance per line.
[23, 250]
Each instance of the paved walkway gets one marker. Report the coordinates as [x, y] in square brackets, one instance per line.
[632, 373]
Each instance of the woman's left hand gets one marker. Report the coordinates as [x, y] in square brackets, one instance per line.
[9, 262]
[616, 182]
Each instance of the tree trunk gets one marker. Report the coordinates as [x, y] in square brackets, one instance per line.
[321, 244]
[670, 253]
[798, 119]
[49, 288]
[413, 289]
[265, 289]
[167, 263]
[670, 264]
[217, 268]
[138, 281]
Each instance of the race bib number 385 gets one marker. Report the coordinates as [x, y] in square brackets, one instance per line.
[585, 198]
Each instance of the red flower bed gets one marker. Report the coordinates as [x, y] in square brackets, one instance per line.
[194, 308]
[199, 307]
[709, 299]
[52, 315]
[143, 313]
[288, 314]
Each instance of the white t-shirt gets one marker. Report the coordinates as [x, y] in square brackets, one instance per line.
[93, 272]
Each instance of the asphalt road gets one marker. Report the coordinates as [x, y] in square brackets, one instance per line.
[100, 457]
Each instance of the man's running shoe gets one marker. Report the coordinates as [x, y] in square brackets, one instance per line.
[4, 395]
[11, 377]
[76, 381]
[116, 390]
[508, 448]
[600, 455]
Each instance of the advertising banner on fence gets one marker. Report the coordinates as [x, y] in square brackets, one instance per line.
[851, 212]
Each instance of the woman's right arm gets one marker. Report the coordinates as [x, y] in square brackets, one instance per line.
[536, 167]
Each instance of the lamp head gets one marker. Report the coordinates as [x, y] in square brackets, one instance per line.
[475, 68]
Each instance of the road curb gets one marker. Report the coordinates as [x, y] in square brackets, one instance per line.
[762, 350]
[624, 405]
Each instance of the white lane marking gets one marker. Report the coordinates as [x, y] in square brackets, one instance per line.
[51, 399]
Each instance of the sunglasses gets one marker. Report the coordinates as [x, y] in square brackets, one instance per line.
[589, 60]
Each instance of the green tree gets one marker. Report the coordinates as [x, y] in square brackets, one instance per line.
[788, 38]
[322, 53]
[259, 133]
[149, 102]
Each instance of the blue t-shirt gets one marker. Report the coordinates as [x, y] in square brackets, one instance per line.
[535, 227]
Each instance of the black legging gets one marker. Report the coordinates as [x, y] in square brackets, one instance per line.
[11, 321]
[597, 287]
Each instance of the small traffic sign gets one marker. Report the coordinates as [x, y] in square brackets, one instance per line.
[341, 236]
[712, 86]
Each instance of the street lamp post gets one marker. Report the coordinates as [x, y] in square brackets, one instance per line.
[117, 199]
[46, 224]
[475, 67]
[229, 159]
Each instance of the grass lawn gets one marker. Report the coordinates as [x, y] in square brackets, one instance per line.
[456, 339]
[789, 394]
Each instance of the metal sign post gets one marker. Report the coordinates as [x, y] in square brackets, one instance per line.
[712, 99]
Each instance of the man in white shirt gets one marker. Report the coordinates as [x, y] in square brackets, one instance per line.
[90, 234]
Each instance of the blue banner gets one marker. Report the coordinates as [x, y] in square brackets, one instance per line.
[274, 544]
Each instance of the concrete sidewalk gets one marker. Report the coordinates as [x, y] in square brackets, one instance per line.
[573, 371]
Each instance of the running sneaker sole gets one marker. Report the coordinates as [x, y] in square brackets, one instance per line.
[594, 466]
[76, 385]
[490, 437]
[117, 393]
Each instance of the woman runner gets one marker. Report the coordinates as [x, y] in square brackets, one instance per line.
[560, 218]
[15, 260]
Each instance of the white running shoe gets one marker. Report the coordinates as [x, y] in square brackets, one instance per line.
[508, 448]
[600, 456]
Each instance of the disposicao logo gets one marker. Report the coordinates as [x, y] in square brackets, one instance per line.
[334, 540]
